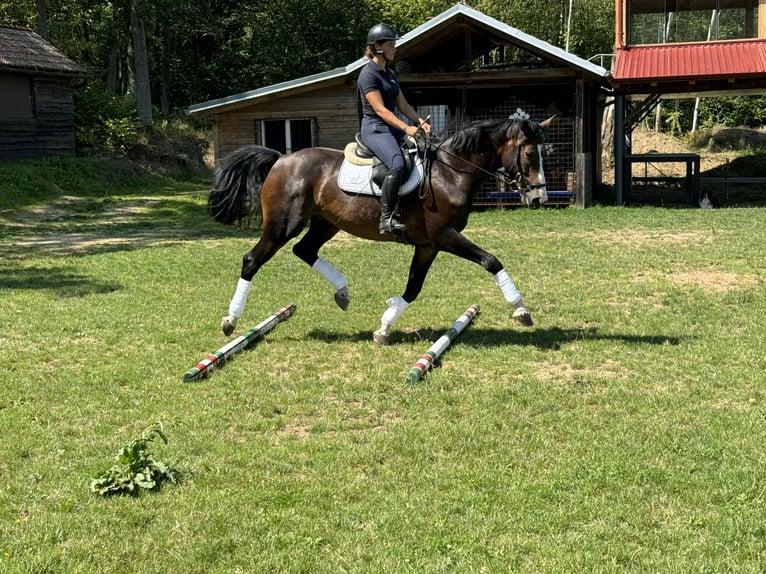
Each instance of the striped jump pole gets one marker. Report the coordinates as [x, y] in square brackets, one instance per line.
[217, 359]
[434, 352]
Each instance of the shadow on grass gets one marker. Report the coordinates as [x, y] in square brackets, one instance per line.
[544, 339]
[109, 226]
[65, 283]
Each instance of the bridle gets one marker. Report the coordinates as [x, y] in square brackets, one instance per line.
[513, 182]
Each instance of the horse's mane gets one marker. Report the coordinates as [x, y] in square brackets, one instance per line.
[477, 136]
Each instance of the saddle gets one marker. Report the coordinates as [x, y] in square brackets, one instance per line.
[362, 173]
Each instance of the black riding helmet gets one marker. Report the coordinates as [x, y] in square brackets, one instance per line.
[381, 33]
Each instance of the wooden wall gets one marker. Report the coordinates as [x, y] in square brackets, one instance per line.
[334, 110]
[49, 132]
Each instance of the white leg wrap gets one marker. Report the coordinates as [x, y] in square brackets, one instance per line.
[396, 306]
[237, 305]
[509, 290]
[329, 272]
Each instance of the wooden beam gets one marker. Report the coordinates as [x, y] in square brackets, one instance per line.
[519, 76]
[762, 18]
[703, 87]
[467, 46]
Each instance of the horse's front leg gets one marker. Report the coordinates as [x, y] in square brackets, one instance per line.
[307, 249]
[454, 242]
[421, 263]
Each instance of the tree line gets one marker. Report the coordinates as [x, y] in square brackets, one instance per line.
[172, 53]
[153, 58]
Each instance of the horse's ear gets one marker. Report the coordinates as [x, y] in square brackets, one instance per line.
[546, 123]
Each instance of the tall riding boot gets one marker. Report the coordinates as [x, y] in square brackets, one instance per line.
[388, 197]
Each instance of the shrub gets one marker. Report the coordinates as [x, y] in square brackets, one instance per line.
[699, 139]
[104, 120]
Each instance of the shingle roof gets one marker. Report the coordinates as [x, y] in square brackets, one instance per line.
[25, 50]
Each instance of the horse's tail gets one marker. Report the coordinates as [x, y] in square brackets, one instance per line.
[236, 193]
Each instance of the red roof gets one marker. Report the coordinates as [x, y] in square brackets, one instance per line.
[694, 61]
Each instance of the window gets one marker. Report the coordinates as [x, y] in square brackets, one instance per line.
[287, 136]
[16, 95]
[666, 21]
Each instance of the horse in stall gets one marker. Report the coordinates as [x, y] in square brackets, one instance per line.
[290, 191]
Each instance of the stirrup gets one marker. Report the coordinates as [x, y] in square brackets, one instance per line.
[391, 225]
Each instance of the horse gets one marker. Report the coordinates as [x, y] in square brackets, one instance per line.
[289, 191]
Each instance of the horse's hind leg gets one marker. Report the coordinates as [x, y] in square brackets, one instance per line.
[421, 263]
[267, 246]
[307, 249]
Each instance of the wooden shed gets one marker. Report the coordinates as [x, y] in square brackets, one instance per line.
[673, 48]
[458, 67]
[36, 115]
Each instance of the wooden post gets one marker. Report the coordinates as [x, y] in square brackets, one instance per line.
[762, 18]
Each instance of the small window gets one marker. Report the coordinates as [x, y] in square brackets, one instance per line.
[668, 21]
[16, 92]
[287, 136]
[300, 134]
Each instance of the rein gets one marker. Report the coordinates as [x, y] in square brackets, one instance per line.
[513, 182]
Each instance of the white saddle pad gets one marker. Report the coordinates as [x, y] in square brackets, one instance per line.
[356, 179]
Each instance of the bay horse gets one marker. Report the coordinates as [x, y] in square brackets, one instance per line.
[290, 191]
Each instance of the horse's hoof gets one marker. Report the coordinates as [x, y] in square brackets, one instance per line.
[228, 324]
[380, 338]
[342, 298]
[523, 317]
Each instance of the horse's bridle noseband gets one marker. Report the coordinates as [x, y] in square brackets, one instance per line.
[513, 182]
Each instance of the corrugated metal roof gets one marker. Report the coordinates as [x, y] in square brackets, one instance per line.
[24, 50]
[515, 36]
[697, 61]
[275, 88]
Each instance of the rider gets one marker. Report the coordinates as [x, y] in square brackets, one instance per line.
[382, 130]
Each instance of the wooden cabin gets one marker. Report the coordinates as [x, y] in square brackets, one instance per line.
[36, 115]
[457, 67]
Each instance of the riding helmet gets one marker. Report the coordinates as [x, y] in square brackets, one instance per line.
[381, 33]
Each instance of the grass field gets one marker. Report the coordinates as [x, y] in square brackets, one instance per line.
[624, 432]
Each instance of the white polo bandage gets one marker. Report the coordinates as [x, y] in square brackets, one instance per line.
[509, 290]
[237, 305]
[329, 272]
[396, 306]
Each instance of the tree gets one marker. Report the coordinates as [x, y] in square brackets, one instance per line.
[15, 13]
[42, 18]
[142, 88]
[294, 38]
[404, 16]
[593, 27]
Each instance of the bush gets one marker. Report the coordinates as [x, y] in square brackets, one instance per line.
[104, 120]
[698, 140]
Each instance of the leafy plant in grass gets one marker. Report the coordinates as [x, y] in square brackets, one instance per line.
[135, 467]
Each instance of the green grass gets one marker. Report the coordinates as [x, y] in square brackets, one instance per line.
[623, 433]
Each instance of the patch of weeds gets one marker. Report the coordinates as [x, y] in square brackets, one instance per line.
[135, 468]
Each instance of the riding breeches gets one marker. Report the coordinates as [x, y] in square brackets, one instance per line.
[385, 145]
